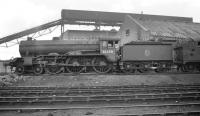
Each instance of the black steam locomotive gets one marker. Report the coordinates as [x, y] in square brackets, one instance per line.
[103, 56]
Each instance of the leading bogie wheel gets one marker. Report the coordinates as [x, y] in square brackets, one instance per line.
[20, 69]
[38, 69]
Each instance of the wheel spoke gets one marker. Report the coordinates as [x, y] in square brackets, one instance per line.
[74, 65]
[37, 69]
[20, 69]
[188, 68]
[53, 69]
[100, 65]
[159, 70]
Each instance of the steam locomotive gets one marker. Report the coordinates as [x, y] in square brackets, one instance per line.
[103, 56]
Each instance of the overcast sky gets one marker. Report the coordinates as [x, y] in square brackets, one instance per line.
[17, 15]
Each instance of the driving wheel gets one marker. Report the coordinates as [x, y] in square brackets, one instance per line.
[100, 65]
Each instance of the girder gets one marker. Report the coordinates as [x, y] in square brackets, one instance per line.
[30, 31]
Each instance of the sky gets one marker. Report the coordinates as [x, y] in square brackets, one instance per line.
[18, 15]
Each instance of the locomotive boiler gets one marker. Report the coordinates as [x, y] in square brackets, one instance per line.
[45, 47]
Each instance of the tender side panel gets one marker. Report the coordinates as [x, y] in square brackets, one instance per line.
[146, 52]
[191, 54]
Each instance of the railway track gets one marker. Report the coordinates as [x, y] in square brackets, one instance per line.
[136, 98]
[63, 98]
[119, 107]
[166, 114]
[100, 90]
[119, 73]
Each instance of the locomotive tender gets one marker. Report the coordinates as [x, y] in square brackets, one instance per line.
[146, 55]
[103, 56]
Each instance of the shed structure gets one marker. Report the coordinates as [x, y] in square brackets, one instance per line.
[132, 26]
[143, 29]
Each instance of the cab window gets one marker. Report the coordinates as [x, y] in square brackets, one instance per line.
[116, 44]
[110, 44]
[198, 44]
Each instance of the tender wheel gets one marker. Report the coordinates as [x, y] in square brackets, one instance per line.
[20, 69]
[38, 69]
[127, 68]
[159, 70]
[141, 68]
[100, 65]
[198, 68]
[183, 68]
[74, 65]
[53, 69]
[144, 70]
[191, 68]
[188, 68]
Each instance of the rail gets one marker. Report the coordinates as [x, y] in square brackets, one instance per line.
[101, 97]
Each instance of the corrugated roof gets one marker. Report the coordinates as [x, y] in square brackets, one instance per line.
[146, 43]
[172, 29]
[113, 17]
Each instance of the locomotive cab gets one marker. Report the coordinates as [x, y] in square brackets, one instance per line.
[109, 48]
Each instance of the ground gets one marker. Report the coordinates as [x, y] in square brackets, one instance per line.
[95, 112]
[107, 80]
[66, 80]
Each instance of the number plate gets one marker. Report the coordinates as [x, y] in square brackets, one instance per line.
[107, 51]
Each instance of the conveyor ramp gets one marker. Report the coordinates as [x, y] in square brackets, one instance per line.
[29, 31]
